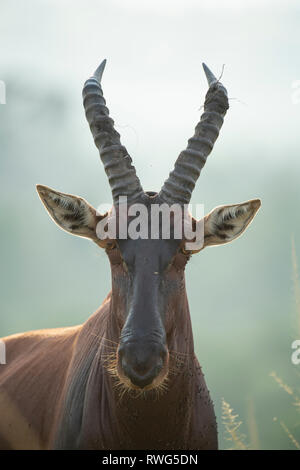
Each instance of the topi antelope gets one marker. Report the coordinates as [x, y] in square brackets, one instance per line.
[128, 377]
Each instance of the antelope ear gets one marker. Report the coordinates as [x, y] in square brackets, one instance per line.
[225, 223]
[71, 213]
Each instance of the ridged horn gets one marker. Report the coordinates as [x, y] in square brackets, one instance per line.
[179, 186]
[117, 163]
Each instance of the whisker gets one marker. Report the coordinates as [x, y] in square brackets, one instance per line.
[110, 341]
[103, 338]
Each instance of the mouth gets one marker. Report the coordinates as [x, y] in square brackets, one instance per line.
[158, 383]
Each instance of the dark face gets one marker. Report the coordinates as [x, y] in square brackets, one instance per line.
[147, 274]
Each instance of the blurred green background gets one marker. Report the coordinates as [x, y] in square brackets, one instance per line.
[241, 295]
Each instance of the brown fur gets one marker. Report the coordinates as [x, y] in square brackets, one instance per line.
[57, 390]
[128, 377]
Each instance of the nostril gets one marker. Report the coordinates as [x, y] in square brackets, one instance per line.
[125, 366]
[121, 351]
[163, 353]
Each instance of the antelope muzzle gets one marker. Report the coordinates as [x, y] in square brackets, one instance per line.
[142, 364]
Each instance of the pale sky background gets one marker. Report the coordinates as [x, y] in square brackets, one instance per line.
[241, 295]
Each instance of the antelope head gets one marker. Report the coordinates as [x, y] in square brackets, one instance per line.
[148, 290]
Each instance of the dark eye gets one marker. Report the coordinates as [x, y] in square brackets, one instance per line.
[110, 246]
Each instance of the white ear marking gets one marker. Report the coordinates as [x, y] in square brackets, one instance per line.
[71, 213]
[225, 223]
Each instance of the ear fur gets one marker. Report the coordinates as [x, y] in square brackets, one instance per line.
[225, 223]
[71, 213]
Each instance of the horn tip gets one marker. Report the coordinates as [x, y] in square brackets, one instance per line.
[99, 71]
[211, 79]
